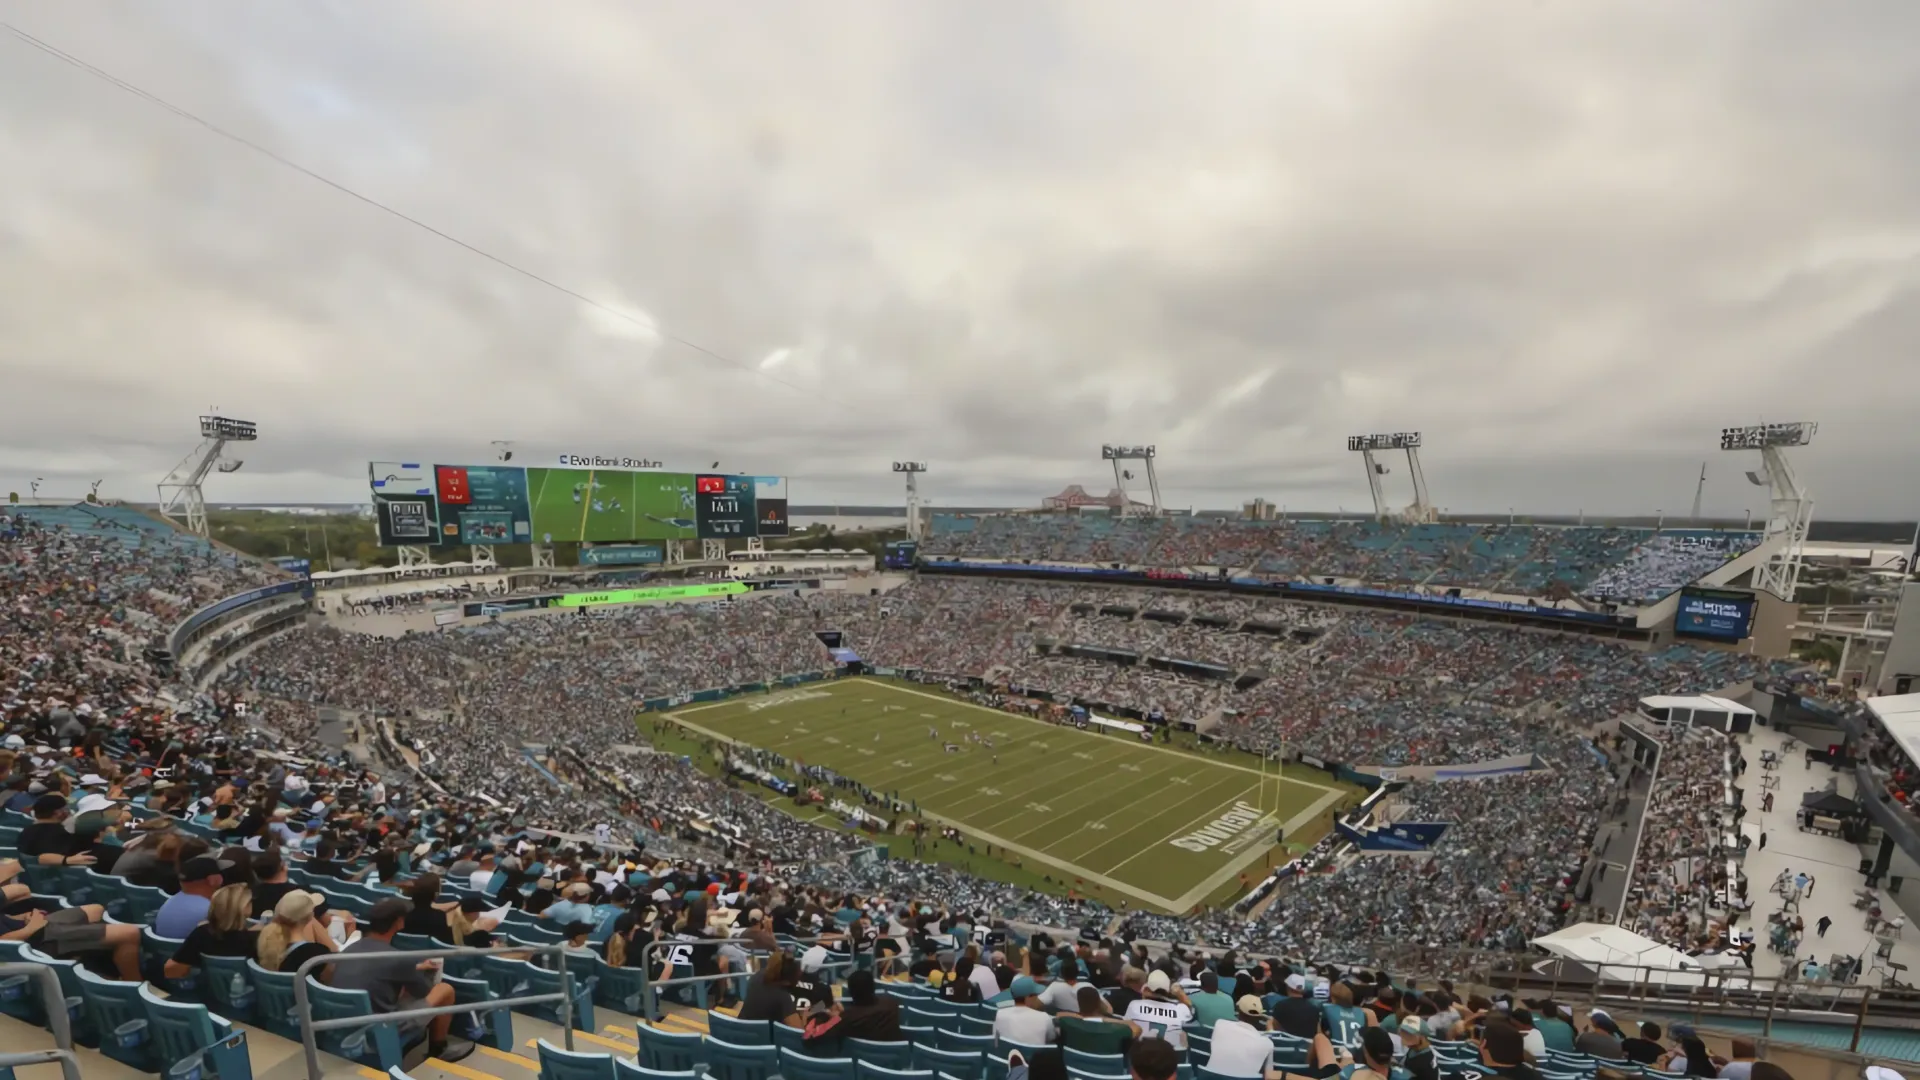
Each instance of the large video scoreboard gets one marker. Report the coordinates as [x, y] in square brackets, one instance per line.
[498, 504]
[1724, 615]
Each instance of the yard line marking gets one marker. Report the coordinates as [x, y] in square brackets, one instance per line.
[1144, 746]
[1163, 902]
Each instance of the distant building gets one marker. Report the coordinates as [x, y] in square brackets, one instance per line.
[1259, 510]
[1076, 498]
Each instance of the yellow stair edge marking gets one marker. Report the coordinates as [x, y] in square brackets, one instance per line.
[620, 1033]
[508, 1056]
[372, 1074]
[687, 1022]
[454, 1068]
[592, 1038]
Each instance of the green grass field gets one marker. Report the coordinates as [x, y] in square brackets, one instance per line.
[632, 505]
[1165, 827]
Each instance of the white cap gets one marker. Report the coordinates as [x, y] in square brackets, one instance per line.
[93, 780]
[814, 959]
[89, 803]
[1296, 981]
[1157, 980]
[1881, 1072]
[14, 742]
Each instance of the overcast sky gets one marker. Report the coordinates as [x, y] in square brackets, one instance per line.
[1566, 241]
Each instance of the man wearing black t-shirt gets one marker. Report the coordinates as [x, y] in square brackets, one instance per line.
[1294, 1014]
[47, 840]
[1646, 1049]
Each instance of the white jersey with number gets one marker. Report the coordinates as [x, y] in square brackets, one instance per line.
[1162, 1020]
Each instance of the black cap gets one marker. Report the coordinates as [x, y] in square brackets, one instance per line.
[49, 805]
[386, 911]
[202, 867]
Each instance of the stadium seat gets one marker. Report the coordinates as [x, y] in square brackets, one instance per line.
[184, 1034]
[1105, 1064]
[231, 1000]
[738, 1031]
[667, 1052]
[963, 1064]
[795, 1065]
[273, 1006]
[618, 988]
[155, 951]
[491, 1028]
[795, 1040]
[558, 1064]
[735, 1061]
[120, 1014]
[627, 1070]
[892, 1055]
[867, 1070]
[377, 1043]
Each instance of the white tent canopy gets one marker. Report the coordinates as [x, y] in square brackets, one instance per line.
[1619, 954]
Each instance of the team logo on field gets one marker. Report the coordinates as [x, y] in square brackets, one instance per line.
[1231, 832]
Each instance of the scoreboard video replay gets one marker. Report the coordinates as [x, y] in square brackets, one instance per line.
[419, 504]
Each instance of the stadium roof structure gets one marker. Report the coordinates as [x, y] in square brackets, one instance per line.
[1697, 703]
[1614, 952]
[1900, 715]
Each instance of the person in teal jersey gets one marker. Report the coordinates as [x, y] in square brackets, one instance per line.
[1551, 1021]
[1345, 1021]
[1210, 1005]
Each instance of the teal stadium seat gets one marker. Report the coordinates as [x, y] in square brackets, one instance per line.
[189, 1042]
[558, 1064]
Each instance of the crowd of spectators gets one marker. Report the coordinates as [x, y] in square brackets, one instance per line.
[1617, 565]
[1680, 873]
[526, 723]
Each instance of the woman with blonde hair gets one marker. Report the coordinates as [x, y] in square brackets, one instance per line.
[295, 935]
[224, 933]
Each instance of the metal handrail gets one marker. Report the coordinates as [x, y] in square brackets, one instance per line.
[56, 1001]
[308, 1025]
[649, 984]
[69, 1061]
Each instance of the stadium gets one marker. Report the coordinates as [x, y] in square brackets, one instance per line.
[1060, 540]
[1555, 762]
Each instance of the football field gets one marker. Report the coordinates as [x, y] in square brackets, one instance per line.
[1167, 827]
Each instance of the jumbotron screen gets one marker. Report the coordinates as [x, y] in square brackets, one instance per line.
[499, 504]
[1724, 615]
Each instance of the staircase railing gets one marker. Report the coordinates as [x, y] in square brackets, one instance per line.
[55, 1001]
[309, 1027]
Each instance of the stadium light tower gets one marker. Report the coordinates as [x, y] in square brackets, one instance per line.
[912, 470]
[1422, 509]
[1118, 454]
[1791, 514]
[180, 498]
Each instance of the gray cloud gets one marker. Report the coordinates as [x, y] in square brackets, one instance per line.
[1567, 242]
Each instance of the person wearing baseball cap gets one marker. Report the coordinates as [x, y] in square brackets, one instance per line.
[1240, 1043]
[1296, 1014]
[1165, 1012]
[1601, 1039]
[199, 880]
[394, 982]
[1026, 1020]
